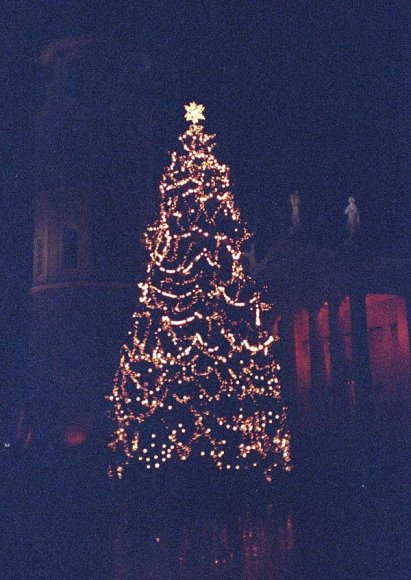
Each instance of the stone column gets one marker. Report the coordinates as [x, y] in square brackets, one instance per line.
[407, 298]
[340, 405]
[361, 357]
[318, 394]
[407, 410]
[288, 362]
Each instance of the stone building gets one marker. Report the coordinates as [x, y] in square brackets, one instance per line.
[343, 320]
[87, 227]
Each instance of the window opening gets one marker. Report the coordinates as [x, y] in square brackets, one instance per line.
[39, 266]
[70, 249]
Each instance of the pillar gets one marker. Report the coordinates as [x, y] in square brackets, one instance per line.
[361, 357]
[318, 391]
[407, 411]
[340, 404]
[288, 361]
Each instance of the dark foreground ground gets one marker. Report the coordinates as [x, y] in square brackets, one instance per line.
[343, 513]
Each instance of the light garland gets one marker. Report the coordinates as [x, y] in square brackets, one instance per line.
[198, 379]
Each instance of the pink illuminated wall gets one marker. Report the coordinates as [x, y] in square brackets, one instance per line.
[302, 358]
[389, 348]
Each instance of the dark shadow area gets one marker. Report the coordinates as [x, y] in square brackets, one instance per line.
[343, 513]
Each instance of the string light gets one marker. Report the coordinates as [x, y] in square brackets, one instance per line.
[198, 372]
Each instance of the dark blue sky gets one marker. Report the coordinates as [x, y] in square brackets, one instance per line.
[306, 95]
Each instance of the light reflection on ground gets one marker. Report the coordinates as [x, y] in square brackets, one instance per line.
[256, 544]
[63, 524]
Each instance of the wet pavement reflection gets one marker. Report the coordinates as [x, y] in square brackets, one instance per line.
[255, 544]
[60, 524]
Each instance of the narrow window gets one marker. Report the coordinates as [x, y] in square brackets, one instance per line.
[39, 265]
[70, 249]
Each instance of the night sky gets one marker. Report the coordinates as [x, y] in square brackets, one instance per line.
[302, 95]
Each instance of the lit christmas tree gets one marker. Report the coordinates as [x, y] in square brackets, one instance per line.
[198, 380]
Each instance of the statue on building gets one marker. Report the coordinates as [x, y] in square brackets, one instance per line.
[353, 218]
[295, 204]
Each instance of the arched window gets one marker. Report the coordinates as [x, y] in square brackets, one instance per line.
[70, 249]
[39, 263]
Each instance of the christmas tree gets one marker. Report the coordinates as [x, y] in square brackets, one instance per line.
[197, 382]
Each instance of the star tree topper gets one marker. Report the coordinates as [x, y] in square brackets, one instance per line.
[194, 112]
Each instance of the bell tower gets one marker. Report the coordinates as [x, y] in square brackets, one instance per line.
[87, 253]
